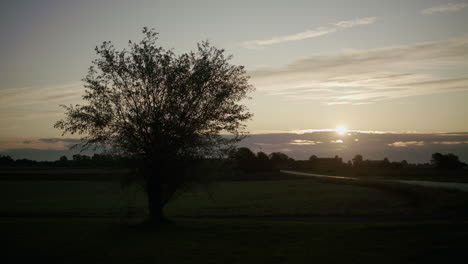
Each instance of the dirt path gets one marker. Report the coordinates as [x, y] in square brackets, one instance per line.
[450, 185]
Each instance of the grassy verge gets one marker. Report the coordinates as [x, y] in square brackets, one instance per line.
[282, 221]
[232, 241]
[299, 197]
[62, 173]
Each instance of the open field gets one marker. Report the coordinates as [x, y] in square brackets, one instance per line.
[298, 197]
[60, 173]
[233, 241]
[282, 221]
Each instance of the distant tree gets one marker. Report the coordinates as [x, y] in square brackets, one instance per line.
[6, 160]
[63, 161]
[357, 160]
[262, 162]
[243, 158]
[102, 160]
[81, 160]
[161, 110]
[338, 161]
[404, 163]
[446, 161]
[385, 163]
[280, 160]
[25, 163]
[79, 157]
[312, 161]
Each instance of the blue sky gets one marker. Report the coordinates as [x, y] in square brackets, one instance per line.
[393, 66]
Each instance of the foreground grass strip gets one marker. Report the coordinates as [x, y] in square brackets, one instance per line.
[232, 241]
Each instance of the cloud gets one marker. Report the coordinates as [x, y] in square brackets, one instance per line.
[367, 76]
[400, 144]
[40, 95]
[413, 147]
[311, 33]
[22, 107]
[39, 144]
[450, 142]
[16, 104]
[304, 142]
[422, 143]
[55, 140]
[450, 7]
[336, 141]
[8, 114]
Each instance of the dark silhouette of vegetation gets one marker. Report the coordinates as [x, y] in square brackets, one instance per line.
[446, 161]
[6, 161]
[357, 160]
[280, 160]
[240, 164]
[316, 162]
[164, 111]
[78, 160]
[243, 160]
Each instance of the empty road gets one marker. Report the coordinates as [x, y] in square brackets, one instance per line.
[450, 185]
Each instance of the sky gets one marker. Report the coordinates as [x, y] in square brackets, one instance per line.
[392, 67]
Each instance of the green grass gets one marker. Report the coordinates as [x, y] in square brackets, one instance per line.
[251, 198]
[300, 197]
[232, 241]
[292, 198]
[69, 198]
[62, 173]
[283, 221]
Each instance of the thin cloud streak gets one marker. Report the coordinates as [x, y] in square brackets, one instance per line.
[40, 95]
[302, 142]
[414, 147]
[400, 144]
[38, 144]
[311, 33]
[18, 106]
[450, 7]
[368, 76]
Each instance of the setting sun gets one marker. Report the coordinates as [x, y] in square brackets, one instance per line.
[341, 130]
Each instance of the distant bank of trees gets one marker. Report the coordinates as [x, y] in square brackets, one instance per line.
[446, 161]
[77, 160]
[246, 161]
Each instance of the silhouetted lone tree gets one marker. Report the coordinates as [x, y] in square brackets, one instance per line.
[160, 109]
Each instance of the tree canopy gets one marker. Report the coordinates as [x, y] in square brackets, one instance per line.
[162, 109]
[446, 161]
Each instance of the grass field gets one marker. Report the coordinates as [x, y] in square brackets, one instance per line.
[282, 221]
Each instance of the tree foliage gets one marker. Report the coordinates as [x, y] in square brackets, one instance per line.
[446, 161]
[162, 109]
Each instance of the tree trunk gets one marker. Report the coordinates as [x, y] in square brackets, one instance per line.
[154, 191]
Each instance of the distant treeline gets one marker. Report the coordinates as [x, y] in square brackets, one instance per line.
[244, 160]
[78, 160]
